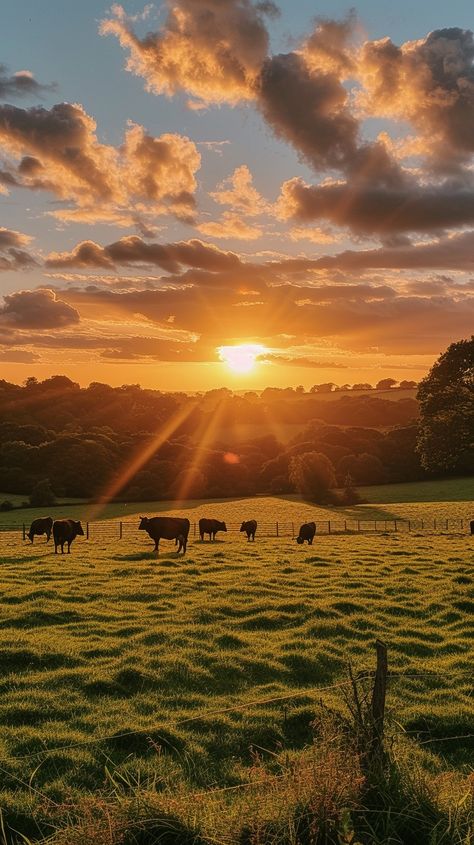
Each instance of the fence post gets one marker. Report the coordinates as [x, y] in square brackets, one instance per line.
[329, 526]
[358, 525]
[396, 527]
[120, 531]
[345, 525]
[378, 700]
[447, 525]
[434, 525]
[277, 529]
[87, 530]
[293, 529]
[422, 524]
[24, 531]
[375, 525]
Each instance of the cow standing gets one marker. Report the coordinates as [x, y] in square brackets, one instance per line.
[211, 527]
[166, 528]
[65, 531]
[307, 532]
[42, 525]
[249, 528]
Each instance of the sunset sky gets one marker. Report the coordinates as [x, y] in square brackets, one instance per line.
[185, 176]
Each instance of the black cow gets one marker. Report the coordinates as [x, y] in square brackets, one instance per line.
[249, 528]
[307, 532]
[166, 528]
[211, 527]
[42, 525]
[64, 531]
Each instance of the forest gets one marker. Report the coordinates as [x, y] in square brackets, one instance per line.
[80, 438]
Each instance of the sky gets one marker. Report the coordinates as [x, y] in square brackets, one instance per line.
[183, 177]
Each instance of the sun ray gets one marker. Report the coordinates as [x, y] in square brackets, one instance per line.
[205, 436]
[141, 456]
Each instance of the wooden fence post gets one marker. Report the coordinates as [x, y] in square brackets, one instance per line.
[329, 526]
[396, 527]
[345, 525]
[377, 706]
[277, 529]
[87, 530]
[120, 530]
[24, 531]
[358, 525]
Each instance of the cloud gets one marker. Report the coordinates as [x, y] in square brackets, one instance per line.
[230, 225]
[134, 250]
[212, 49]
[21, 84]
[13, 256]
[58, 150]
[300, 361]
[430, 84]
[18, 356]
[36, 309]
[379, 209]
[239, 193]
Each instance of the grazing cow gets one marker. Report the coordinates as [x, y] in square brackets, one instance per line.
[307, 532]
[166, 528]
[211, 527]
[250, 528]
[43, 525]
[64, 531]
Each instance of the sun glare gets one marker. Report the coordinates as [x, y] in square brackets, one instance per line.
[241, 358]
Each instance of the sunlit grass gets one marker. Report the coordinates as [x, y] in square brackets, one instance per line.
[112, 639]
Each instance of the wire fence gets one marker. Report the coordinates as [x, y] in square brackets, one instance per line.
[241, 706]
[127, 529]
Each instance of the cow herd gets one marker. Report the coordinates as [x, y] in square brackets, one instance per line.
[158, 528]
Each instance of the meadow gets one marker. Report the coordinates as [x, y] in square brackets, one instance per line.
[114, 660]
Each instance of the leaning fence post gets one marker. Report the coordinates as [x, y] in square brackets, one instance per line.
[377, 706]
[24, 531]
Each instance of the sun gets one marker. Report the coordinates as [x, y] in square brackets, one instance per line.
[241, 358]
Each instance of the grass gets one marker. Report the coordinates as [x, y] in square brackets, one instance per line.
[113, 639]
[442, 499]
[440, 490]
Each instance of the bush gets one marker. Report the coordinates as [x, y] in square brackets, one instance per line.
[6, 505]
[42, 495]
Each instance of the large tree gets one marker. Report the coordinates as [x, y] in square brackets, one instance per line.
[446, 397]
[312, 474]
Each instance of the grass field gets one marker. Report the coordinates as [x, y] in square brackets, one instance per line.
[442, 499]
[113, 639]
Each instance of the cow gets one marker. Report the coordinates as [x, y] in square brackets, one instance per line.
[211, 527]
[307, 532]
[166, 528]
[64, 531]
[249, 528]
[42, 525]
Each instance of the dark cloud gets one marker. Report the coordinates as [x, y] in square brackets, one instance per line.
[13, 256]
[21, 84]
[301, 361]
[133, 250]
[36, 309]
[380, 209]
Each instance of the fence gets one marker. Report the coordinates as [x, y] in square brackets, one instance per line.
[118, 530]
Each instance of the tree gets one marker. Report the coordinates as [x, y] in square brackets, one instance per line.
[408, 385]
[42, 495]
[349, 495]
[363, 385]
[326, 387]
[312, 474]
[386, 384]
[446, 397]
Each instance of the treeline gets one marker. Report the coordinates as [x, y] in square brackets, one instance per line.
[81, 440]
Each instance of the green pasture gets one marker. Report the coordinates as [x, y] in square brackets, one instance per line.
[105, 653]
[442, 499]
